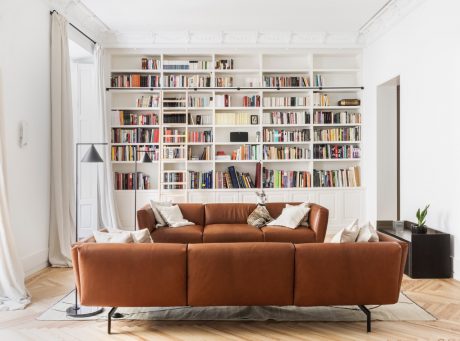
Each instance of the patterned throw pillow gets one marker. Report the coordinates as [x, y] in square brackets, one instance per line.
[259, 217]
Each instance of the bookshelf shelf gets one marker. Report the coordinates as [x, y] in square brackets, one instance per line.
[245, 79]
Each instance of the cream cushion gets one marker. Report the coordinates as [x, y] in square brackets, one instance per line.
[367, 233]
[173, 216]
[139, 236]
[112, 237]
[291, 216]
[159, 219]
[347, 234]
[304, 221]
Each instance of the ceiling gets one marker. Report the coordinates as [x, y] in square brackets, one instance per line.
[122, 16]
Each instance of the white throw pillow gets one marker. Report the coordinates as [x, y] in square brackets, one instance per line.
[367, 233]
[347, 234]
[173, 216]
[139, 236]
[112, 237]
[291, 216]
[304, 221]
[159, 219]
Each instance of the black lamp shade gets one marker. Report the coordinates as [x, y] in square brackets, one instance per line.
[146, 158]
[92, 155]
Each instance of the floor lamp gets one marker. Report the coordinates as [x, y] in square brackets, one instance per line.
[145, 159]
[91, 156]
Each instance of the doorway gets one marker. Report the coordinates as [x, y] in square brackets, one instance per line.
[388, 150]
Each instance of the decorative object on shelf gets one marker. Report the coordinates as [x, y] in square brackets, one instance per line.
[239, 136]
[398, 226]
[91, 156]
[349, 102]
[254, 119]
[420, 227]
[261, 198]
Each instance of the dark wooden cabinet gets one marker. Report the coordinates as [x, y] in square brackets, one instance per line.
[429, 254]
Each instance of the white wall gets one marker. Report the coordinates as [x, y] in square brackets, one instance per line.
[424, 49]
[25, 77]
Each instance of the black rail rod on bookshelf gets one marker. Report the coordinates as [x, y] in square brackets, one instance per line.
[242, 88]
[75, 27]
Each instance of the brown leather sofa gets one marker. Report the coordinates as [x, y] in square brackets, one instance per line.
[227, 223]
[239, 274]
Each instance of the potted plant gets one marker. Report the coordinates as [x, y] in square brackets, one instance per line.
[420, 227]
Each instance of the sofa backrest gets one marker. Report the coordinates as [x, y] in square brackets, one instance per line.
[191, 212]
[228, 213]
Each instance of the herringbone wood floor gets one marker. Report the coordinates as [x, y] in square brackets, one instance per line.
[440, 297]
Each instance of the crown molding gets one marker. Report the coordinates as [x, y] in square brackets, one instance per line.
[391, 14]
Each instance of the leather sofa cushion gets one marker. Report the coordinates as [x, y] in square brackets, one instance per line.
[182, 235]
[232, 233]
[347, 274]
[240, 274]
[287, 235]
[193, 213]
[228, 213]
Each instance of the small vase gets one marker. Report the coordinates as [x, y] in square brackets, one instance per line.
[418, 229]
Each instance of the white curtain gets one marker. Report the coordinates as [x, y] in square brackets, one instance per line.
[13, 294]
[62, 219]
[107, 210]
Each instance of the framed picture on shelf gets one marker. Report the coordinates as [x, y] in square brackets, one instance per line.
[254, 119]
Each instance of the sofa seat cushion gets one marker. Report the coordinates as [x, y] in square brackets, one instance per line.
[286, 235]
[182, 235]
[232, 233]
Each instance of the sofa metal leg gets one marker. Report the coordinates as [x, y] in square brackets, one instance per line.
[368, 316]
[109, 321]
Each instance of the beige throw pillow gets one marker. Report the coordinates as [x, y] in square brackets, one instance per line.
[304, 221]
[291, 216]
[259, 217]
[367, 233]
[173, 216]
[159, 219]
[347, 234]
[139, 236]
[112, 237]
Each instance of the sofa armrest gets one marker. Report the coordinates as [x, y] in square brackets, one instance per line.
[146, 218]
[404, 247]
[318, 219]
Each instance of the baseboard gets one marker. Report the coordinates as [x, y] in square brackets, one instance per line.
[35, 262]
[456, 268]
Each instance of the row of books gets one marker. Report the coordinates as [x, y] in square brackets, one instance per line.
[186, 64]
[336, 151]
[246, 152]
[174, 102]
[283, 117]
[205, 155]
[200, 136]
[286, 153]
[224, 64]
[338, 134]
[198, 102]
[173, 136]
[350, 177]
[128, 153]
[223, 100]
[342, 117]
[199, 119]
[286, 81]
[200, 180]
[152, 101]
[135, 81]
[171, 153]
[150, 64]
[286, 178]
[282, 135]
[230, 118]
[173, 177]
[174, 118]
[124, 135]
[126, 118]
[187, 81]
[320, 99]
[233, 179]
[225, 81]
[149, 135]
[318, 80]
[251, 101]
[298, 101]
[124, 181]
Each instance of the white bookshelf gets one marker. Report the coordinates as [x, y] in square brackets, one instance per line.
[341, 73]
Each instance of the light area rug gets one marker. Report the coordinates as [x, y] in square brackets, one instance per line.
[404, 310]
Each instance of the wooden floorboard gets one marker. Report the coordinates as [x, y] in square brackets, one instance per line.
[441, 298]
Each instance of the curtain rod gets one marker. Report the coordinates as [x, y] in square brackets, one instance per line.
[75, 27]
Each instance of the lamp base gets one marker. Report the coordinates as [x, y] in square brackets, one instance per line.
[82, 311]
